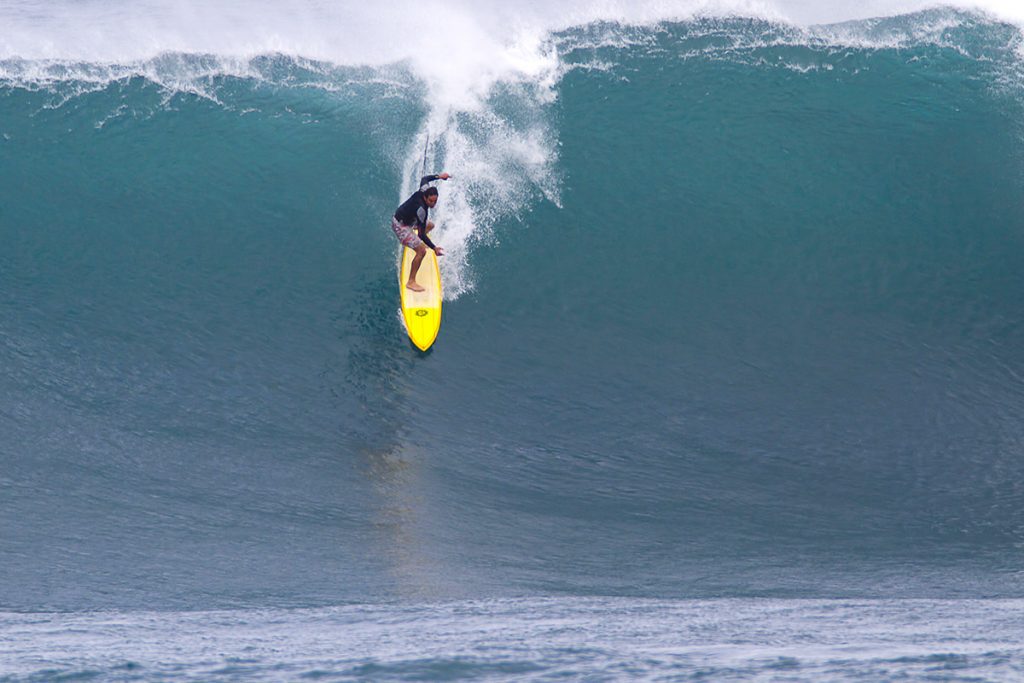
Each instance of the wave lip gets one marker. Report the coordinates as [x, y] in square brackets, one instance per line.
[435, 37]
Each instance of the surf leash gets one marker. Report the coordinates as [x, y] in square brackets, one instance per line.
[425, 147]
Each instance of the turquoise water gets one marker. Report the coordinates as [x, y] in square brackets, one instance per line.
[733, 314]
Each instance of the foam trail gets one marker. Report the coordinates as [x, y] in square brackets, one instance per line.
[500, 148]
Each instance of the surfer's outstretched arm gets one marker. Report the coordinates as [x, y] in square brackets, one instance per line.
[431, 178]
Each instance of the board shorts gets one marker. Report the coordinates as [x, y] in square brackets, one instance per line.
[406, 234]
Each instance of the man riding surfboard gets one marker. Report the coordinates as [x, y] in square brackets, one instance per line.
[411, 226]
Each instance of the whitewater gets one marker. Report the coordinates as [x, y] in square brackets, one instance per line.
[728, 387]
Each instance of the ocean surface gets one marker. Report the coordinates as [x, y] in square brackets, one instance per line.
[729, 384]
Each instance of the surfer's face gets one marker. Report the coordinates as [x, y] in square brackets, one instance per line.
[431, 200]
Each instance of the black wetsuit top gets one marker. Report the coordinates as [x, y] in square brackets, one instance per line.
[414, 211]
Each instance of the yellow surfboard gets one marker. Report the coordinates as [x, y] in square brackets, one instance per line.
[421, 310]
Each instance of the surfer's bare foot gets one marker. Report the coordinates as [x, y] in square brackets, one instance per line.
[411, 284]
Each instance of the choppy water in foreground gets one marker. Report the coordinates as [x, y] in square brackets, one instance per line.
[594, 639]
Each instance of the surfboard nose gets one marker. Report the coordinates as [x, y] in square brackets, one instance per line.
[423, 325]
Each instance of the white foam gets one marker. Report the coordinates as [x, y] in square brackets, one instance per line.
[500, 163]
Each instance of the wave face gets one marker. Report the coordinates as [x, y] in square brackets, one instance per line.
[734, 310]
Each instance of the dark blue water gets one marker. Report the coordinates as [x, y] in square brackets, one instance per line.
[734, 311]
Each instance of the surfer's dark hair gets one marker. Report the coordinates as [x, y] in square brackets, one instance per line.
[430, 192]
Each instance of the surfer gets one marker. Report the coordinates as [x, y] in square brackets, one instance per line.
[411, 226]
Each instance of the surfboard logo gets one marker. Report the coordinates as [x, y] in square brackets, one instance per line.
[420, 312]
